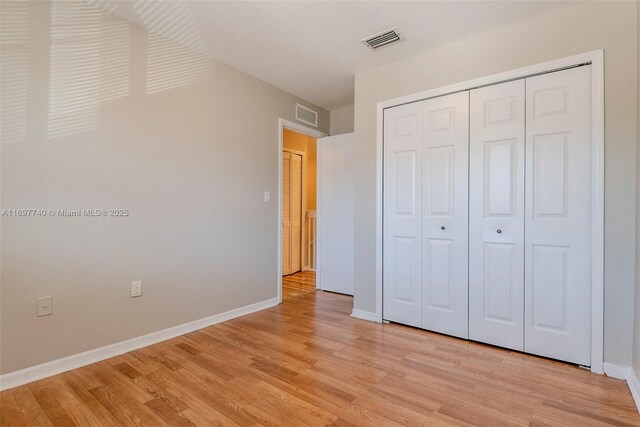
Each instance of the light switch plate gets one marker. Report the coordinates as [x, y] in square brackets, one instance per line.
[45, 306]
[267, 196]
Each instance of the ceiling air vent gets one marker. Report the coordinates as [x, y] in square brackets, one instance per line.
[306, 115]
[382, 39]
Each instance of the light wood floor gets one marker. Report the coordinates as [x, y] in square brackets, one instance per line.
[300, 283]
[306, 362]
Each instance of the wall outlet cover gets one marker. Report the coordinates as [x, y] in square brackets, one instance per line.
[136, 288]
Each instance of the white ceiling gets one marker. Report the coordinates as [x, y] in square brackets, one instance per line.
[312, 48]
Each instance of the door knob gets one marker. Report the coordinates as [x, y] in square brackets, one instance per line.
[499, 231]
[442, 227]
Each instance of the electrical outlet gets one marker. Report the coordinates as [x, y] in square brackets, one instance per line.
[136, 288]
[267, 196]
[45, 307]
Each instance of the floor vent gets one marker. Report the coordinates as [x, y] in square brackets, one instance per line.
[382, 39]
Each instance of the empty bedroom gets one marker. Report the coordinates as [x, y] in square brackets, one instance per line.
[325, 213]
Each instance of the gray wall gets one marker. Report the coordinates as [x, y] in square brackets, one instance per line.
[342, 121]
[575, 29]
[120, 118]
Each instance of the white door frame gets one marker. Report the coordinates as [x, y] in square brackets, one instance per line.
[596, 59]
[282, 125]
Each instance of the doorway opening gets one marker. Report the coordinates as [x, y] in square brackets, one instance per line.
[315, 247]
[298, 213]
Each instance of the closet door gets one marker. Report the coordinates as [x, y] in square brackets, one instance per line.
[496, 215]
[296, 212]
[291, 212]
[445, 214]
[402, 208]
[558, 216]
[286, 213]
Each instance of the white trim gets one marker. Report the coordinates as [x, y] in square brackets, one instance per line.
[364, 315]
[626, 373]
[379, 178]
[596, 58]
[282, 125]
[597, 222]
[44, 370]
[634, 388]
[613, 370]
[318, 214]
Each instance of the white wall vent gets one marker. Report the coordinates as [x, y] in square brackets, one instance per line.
[306, 115]
[382, 39]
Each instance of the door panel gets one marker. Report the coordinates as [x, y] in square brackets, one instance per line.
[286, 213]
[558, 216]
[335, 213]
[499, 259]
[496, 215]
[402, 207]
[405, 261]
[500, 183]
[445, 145]
[296, 212]
[439, 274]
[405, 183]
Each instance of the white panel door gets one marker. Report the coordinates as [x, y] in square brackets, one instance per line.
[296, 212]
[402, 214]
[558, 216]
[445, 154]
[286, 213]
[335, 213]
[496, 215]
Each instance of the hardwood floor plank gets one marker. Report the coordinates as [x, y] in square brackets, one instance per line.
[307, 362]
[120, 412]
[33, 412]
[12, 414]
[101, 415]
[168, 413]
[212, 392]
[49, 403]
[199, 410]
[298, 284]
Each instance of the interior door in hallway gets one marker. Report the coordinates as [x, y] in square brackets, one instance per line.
[291, 212]
[335, 213]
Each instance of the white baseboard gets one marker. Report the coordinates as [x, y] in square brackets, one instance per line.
[626, 373]
[620, 372]
[38, 372]
[634, 387]
[364, 315]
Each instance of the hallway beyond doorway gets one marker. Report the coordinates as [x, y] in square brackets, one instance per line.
[300, 283]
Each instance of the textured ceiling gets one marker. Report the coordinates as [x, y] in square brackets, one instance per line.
[312, 48]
